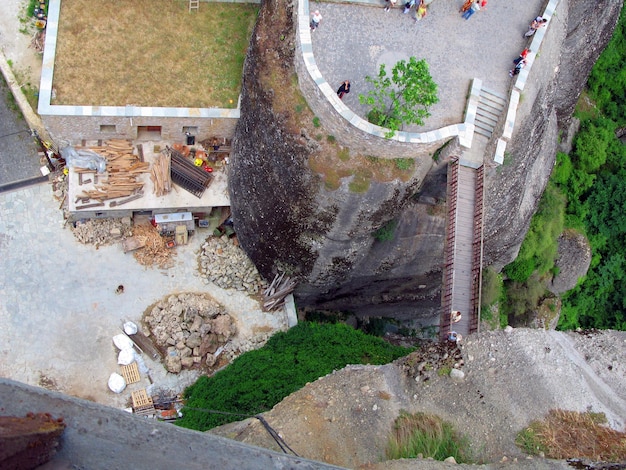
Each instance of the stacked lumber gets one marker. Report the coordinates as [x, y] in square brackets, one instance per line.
[123, 169]
[275, 294]
[161, 176]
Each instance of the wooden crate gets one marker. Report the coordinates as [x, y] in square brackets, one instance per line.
[142, 403]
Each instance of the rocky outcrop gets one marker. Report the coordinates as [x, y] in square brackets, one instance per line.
[288, 220]
[573, 260]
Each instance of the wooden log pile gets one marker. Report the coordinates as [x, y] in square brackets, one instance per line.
[161, 176]
[123, 170]
[275, 294]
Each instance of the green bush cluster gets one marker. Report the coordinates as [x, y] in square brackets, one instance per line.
[258, 380]
[538, 251]
[386, 232]
[595, 182]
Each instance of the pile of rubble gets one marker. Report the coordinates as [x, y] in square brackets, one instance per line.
[227, 266]
[102, 231]
[192, 329]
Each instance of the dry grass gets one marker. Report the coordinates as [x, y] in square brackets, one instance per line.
[570, 434]
[151, 53]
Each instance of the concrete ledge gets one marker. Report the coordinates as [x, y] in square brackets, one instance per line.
[500, 148]
[102, 438]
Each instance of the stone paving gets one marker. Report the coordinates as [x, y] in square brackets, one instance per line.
[354, 39]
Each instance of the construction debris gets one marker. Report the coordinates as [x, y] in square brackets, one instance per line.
[191, 329]
[123, 169]
[155, 251]
[102, 231]
[275, 294]
[228, 266]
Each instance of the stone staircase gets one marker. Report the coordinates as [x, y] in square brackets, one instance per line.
[490, 106]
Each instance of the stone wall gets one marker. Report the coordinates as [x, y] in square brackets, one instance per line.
[73, 129]
[100, 438]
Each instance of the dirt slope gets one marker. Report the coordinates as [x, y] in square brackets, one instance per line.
[511, 378]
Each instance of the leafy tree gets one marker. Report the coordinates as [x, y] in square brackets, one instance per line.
[403, 98]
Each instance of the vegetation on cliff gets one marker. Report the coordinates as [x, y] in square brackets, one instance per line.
[592, 181]
[258, 380]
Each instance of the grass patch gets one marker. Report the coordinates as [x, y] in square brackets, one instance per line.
[570, 434]
[163, 54]
[427, 436]
[258, 380]
[361, 181]
[404, 164]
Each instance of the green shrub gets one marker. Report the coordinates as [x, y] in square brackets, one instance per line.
[258, 380]
[386, 232]
[404, 164]
[491, 288]
[316, 122]
[428, 436]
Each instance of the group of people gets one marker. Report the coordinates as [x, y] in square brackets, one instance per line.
[522, 60]
[420, 7]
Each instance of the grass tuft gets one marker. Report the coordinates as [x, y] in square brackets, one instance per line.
[427, 436]
[570, 434]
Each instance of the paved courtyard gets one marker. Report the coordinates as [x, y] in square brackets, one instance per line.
[353, 40]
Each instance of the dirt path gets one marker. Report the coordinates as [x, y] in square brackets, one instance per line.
[15, 44]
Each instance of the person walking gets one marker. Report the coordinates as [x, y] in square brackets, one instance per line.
[407, 6]
[343, 89]
[537, 23]
[466, 6]
[316, 19]
[522, 55]
[390, 4]
[420, 12]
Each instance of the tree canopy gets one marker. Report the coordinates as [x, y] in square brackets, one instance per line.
[402, 98]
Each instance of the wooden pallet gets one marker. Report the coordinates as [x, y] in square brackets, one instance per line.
[142, 403]
[131, 373]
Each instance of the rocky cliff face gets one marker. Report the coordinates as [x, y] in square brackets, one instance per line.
[289, 219]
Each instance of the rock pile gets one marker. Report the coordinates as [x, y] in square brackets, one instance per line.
[228, 266]
[102, 231]
[192, 328]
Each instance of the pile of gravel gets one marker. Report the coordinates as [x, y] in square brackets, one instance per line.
[192, 328]
[227, 266]
[102, 231]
